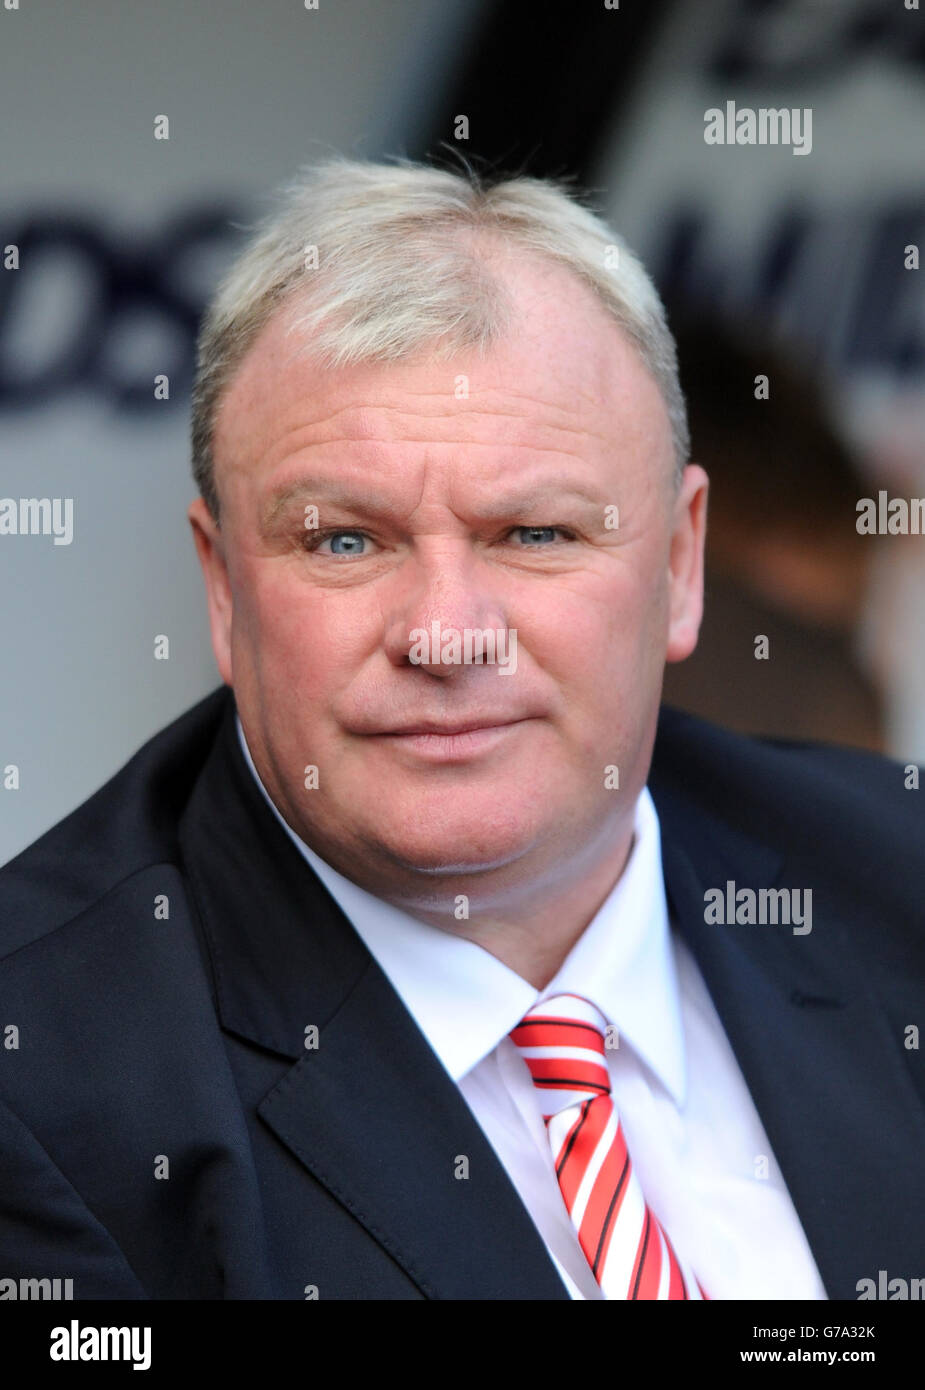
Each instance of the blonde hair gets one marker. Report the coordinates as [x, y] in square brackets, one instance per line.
[403, 260]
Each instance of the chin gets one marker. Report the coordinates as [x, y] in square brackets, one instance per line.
[452, 863]
[467, 849]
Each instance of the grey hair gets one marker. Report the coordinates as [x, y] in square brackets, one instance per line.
[403, 253]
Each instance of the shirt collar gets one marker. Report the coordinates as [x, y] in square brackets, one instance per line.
[465, 1000]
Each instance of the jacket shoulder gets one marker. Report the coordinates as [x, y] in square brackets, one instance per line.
[125, 826]
[845, 802]
[689, 739]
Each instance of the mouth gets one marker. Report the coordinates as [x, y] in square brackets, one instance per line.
[450, 730]
[451, 742]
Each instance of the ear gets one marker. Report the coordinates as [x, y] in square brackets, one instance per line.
[209, 546]
[685, 578]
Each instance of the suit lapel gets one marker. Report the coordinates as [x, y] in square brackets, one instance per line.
[370, 1111]
[824, 1067]
[372, 1114]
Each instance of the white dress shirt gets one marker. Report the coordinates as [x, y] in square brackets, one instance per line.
[694, 1135]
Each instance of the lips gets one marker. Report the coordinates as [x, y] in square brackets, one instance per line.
[466, 726]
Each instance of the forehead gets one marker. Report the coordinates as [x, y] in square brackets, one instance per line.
[563, 370]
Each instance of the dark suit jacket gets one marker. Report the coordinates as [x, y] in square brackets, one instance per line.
[143, 1037]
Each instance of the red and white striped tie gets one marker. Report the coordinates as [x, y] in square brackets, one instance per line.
[631, 1257]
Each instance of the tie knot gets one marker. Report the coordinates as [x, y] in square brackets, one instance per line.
[562, 1042]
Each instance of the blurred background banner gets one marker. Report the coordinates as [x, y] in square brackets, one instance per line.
[140, 143]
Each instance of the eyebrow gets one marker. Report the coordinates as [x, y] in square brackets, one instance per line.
[377, 504]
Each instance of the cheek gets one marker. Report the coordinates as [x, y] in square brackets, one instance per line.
[605, 648]
[286, 633]
[602, 632]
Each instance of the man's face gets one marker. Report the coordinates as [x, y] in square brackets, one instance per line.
[528, 492]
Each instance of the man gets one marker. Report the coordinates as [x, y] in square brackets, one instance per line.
[400, 966]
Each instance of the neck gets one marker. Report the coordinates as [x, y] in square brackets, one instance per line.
[531, 929]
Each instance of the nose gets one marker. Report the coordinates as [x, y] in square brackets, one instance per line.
[442, 599]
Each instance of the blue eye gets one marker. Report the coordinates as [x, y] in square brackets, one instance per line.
[355, 540]
[539, 533]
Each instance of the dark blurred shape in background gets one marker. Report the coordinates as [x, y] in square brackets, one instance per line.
[784, 558]
[541, 86]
